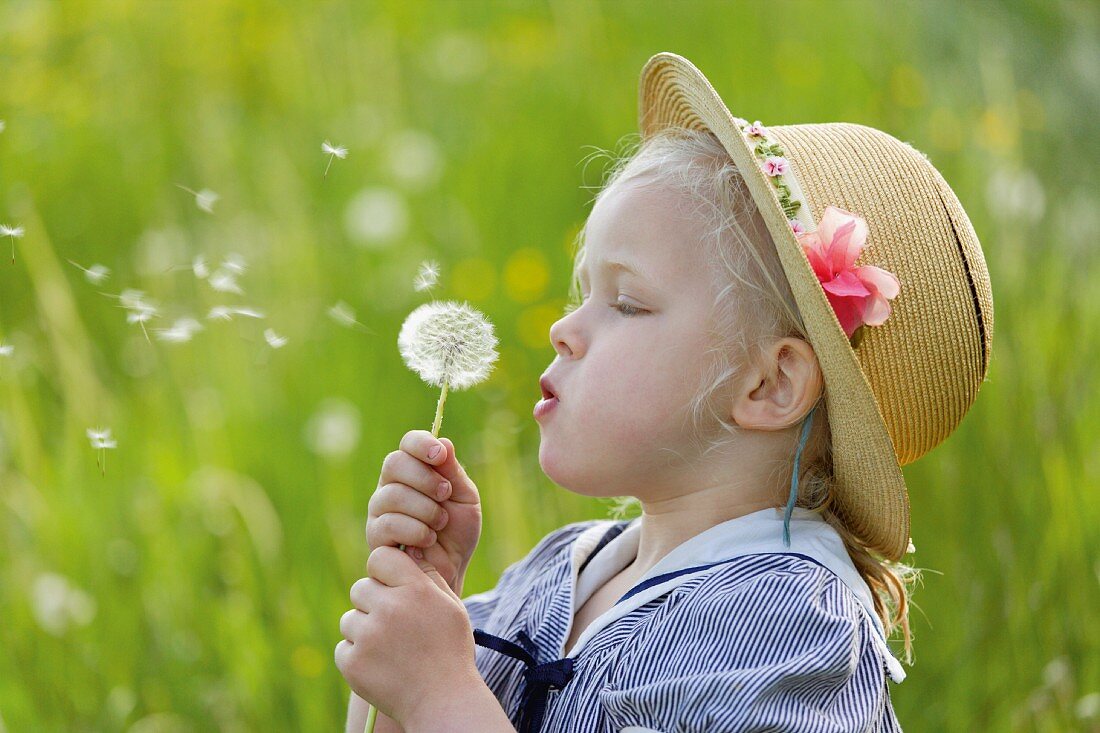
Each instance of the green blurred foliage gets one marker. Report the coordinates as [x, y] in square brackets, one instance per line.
[197, 584]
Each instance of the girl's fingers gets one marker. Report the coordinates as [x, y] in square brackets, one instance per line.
[420, 443]
[402, 499]
[403, 468]
[392, 529]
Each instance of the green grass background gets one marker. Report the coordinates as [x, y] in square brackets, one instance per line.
[207, 570]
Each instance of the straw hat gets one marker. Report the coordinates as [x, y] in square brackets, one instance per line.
[906, 384]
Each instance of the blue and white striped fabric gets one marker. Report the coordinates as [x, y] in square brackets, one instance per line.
[731, 631]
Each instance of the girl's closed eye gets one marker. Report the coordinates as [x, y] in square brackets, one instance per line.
[627, 309]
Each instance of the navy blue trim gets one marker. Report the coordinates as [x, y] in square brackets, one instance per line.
[610, 535]
[539, 679]
[663, 577]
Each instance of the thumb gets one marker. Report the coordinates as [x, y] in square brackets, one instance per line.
[430, 571]
[463, 490]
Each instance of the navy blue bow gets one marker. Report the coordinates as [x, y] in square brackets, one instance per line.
[538, 678]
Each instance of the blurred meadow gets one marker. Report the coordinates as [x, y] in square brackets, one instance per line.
[197, 582]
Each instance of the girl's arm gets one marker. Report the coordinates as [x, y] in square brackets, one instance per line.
[480, 711]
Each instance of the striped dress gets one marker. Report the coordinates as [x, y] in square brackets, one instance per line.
[730, 631]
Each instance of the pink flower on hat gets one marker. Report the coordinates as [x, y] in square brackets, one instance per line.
[756, 129]
[775, 165]
[858, 295]
[796, 226]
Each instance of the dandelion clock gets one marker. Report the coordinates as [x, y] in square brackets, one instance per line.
[450, 345]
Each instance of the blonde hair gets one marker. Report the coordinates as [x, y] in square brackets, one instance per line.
[752, 308]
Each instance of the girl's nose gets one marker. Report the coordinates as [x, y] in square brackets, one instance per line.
[564, 337]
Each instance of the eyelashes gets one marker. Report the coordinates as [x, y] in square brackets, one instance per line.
[627, 310]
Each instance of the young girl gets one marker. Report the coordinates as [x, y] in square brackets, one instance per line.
[730, 369]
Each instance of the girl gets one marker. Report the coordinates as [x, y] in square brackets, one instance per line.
[728, 368]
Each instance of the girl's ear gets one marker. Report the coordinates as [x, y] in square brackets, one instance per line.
[779, 391]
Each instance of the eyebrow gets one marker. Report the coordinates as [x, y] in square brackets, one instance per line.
[615, 265]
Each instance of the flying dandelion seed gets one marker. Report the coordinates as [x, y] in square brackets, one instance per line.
[101, 440]
[182, 330]
[7, 350]
[234, 263]
[14, 233]
[95, 274]
[427, 276]
[204, 199]
[226, 313]
[274, 340]
[225, 282]
[3, 125]
[343, 314]
[140, 310]
[198, 266]
[333, 152]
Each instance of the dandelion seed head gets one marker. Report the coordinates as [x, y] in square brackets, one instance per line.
[446, 341]
[274, 340]
[330, 149]
[7, 231]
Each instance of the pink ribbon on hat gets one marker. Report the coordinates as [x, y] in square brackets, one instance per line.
[859, 295]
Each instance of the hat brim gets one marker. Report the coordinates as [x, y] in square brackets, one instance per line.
[870, 493]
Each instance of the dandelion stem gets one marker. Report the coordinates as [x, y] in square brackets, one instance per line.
[439, 410]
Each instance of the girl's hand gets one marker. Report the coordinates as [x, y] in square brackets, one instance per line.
[408, 644]
[408, 507]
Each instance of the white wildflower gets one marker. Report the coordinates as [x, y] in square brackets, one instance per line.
[333, 152]
[14, 233]
[274, 340]
[95, 274]
[181, 330]
[204, 199]
[101, 440]
[450, 345]
[427, 276]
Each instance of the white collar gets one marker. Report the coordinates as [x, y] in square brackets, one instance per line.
[758, 532]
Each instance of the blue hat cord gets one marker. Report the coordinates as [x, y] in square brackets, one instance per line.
[806, 423]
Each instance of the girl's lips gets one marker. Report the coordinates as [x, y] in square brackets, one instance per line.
[545, 406]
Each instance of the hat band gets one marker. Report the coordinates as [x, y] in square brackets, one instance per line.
[772, 160]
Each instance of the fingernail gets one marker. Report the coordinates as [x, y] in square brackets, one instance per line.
[442, 518]
[418, 553]
[432, 537]
[434, 450]
[443, 490]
